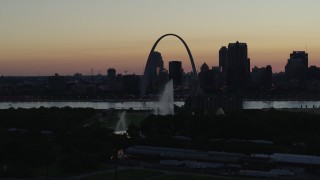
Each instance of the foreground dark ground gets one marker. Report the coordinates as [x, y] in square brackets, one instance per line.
[64, 142]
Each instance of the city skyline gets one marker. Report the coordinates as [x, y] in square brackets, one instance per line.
[65, 37]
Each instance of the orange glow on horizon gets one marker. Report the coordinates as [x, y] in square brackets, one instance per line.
[46, 37]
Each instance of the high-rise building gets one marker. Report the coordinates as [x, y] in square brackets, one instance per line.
[262, 76]
[297, 66]
[111, 79]
[176, 71]
[154, 65]
[256, 74]
[267, 81]
[111, 73]
[207, 78]
[153, 68]
[314, 73]
[204, 67]
[238, 65]
[163, 77]
[223, 58]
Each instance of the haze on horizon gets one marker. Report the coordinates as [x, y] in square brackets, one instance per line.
[45, 37]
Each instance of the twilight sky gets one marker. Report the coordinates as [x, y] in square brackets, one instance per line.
[39, 37]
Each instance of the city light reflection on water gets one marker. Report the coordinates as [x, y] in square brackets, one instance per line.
[137, 105]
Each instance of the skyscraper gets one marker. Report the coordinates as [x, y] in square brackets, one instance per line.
[175, 71]
[204, 67]
[111, 79]
[153, 68]
[223, 58]
[154, 65]
[297, 66]
[238, 65]
[267, 81]
[111, 73]
[262, 77]
[208, 78]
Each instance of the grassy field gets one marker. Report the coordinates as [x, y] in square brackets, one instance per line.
[133, 118]
[55, 171]
[130, 174]
[192, 177]
[138, 174]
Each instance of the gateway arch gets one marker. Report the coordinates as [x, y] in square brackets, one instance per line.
[145, 78]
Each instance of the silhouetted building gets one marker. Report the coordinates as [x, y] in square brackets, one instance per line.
[130, 84]
[77, 77]
[175, 71]
[314, 73]
[163, 77]
[297, 66]
[111, 79]
[153, 68]
[238, 65]
[206, 78]
[223, 58]
[219, 77]
[256, 75]
[56, 84]
[279, 79]
[216, 69]
[267, 81]
[157, 64]
[204, 67]
[262, 77]
[111, 73]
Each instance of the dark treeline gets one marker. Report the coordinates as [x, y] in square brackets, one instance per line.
[76, 141]
[52, 119]
[67, 140]
[288, 132]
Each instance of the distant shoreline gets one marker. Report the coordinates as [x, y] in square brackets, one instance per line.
[282, 99]
[140, 100]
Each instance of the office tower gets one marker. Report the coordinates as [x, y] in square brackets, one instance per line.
[297, 66]
[262, 77]
[313, 73]
[153, 68]
[223, 58]
[238, 65]
[111, 73]
[175, 71]
[267, 81]
[163, 77]
[204, 67]
[111, 79]
[154, 65]
[207, 78]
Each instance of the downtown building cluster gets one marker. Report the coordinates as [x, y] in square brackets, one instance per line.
[233, 75]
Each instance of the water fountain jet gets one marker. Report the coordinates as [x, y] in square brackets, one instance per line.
[121, 126]
[165, 106]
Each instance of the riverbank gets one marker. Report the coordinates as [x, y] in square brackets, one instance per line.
[297, 110]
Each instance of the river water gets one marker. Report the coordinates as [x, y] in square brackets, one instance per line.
[280, 104]
[136, 105]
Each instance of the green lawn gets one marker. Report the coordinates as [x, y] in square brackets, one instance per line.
[137, 174]
[133, 118]
[192, 177]
[55, 171]
[129, 174]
